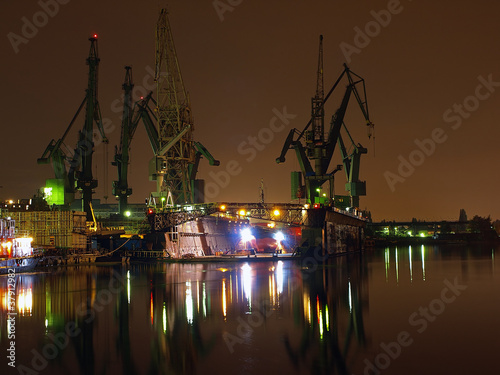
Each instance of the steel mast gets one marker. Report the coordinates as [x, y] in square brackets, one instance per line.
[120, 187]
[85, 147]
[317, 109]
[170, 166]
[79, 176]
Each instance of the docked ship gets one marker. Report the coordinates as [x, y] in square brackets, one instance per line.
[16, 253]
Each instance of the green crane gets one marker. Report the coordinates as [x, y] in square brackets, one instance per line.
[121, 161]
[319, 147]
[79, 175]
[142, 111]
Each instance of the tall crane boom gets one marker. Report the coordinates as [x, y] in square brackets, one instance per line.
[121, 161]
[79, 176]
[174, 121]
[319, 149]
[318, 111]
[85, 148]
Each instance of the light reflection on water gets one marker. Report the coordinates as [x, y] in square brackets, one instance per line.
[262, 317]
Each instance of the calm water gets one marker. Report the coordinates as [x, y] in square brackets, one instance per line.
[417, 310]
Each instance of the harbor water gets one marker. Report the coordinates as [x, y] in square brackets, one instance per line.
[396, 310]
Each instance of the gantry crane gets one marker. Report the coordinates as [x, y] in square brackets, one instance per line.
[320, 147]
[79, 175]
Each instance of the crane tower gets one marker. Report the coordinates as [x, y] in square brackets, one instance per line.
[171, 165]
[62, 188]
[316, 154]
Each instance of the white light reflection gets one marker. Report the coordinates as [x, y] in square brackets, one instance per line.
[387, 264]
[128, 286]
[422, 249]
[411, 266]
[397, 267]
[189, 303]
[327, 318]
[204, 300]
[25, 302]
[224, 302]
[246, 274]
[279, 277]
[164, 318]
[320, 324]
[350, 297]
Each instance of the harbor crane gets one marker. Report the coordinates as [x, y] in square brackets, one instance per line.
[78, 177]
[177, 155]
[169, 127]
[319, 147]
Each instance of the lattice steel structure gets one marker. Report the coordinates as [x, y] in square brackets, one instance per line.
[176, 155]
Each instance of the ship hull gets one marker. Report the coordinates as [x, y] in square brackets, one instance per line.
[17, 265]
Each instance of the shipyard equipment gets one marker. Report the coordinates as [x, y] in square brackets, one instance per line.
[121, 189]
[73, 169]
[315, 156]
[169, 127]
[176, 156]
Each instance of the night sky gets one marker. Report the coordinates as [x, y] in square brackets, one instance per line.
[431, 70]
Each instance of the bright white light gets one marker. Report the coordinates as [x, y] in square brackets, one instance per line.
[279, 236]
[246, 274]
[279, 277]
[128, 286]
[164, 318]
[350, 296]
[189, 303]
[246, 234]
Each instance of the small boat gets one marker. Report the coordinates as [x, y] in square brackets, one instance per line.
[16, 253]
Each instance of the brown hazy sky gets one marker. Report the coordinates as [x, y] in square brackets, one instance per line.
[419, 66]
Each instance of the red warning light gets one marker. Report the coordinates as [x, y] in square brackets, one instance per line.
[95, 36]
[151, 211]
[316, 205]
[142, 97]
